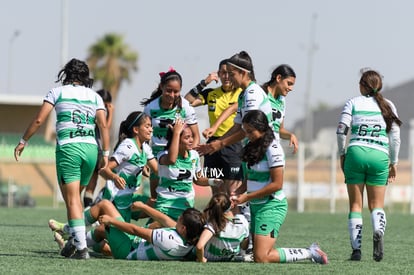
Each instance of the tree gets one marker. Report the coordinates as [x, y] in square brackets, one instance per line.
[111, 62]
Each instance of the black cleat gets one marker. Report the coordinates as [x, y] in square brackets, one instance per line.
[81, 254]
[69, 249]
[356, 255]
[378, 246]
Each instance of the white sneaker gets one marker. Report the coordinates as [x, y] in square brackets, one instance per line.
[318, 256]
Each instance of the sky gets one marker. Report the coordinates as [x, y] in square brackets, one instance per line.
[327, 42]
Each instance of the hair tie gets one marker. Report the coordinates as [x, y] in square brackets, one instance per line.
[374, 91]
[170, 70]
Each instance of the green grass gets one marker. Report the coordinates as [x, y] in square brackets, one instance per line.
[27, 247]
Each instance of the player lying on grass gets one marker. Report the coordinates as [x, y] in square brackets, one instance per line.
[129, 241]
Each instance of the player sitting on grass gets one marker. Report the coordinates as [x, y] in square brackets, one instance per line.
[224, 233]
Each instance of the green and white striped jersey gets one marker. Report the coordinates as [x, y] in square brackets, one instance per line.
[160, 118]
[224, 245]
[363, 116]
[278, 111]
[253, 98]
[76, 108]
[258, 175]
[166, 244]
[131, 162]
[175, 188]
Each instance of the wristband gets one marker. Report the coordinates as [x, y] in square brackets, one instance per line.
[198, 88]
[105, 153]
[22, 141]
[212, 182]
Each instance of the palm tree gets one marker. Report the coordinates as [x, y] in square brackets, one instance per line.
[111, 62]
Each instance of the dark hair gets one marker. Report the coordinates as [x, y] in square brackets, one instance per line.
[168, 76]
[223, 62]
[126, 126]
[106, 95]
[169, 135]
[215, 209]
[194, 222]
[75, 71]
[372, 81]
[283, 70]
[255, 151]
[243, 60]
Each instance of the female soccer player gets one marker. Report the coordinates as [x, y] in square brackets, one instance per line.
[278, 87]
[370, 160]
[224, 233]
[124, 171]
[263, 161]
[78, 110]
[179, 167]
[164, 106]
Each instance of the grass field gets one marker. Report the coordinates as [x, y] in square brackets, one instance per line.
[27, 247]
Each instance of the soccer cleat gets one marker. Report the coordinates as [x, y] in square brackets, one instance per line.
[244, 256]
[58, 227]
[378, 246]
[59, 240]
[356, 255]
[69, 249]
[318, 256]
[81, 254]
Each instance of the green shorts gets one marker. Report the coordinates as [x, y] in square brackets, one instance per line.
[267, 218]
[121, 243]
[366, 165]
[75, 162]
[138, 197]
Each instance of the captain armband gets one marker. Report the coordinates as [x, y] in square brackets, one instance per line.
[342, 129]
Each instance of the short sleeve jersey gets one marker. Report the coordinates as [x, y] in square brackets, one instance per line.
[363, 115]
[258, 175]
[76, 108]
[225, 245]
[217, 101]
[176, 180]
[161, 118]
[131, 161]
[166, 244]
[253, 98]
